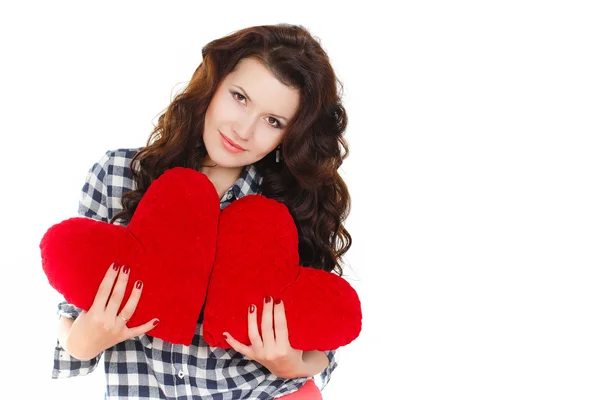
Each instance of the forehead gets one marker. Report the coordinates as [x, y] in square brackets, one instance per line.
[264, 88]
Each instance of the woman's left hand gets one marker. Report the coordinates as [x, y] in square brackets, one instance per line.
[273, 349]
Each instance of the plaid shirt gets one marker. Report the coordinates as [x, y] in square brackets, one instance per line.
[146, 367]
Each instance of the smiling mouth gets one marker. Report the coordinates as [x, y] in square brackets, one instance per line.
[231, 142]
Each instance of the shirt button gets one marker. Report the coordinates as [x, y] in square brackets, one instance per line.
[180, 374]
[229, 196]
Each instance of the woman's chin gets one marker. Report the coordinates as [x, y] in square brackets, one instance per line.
[228, 161]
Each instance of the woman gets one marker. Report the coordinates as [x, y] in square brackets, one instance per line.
[261, 115]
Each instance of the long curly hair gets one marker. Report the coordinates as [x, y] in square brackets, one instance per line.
[313, 147]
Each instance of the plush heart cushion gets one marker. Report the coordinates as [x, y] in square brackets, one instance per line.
[257, 256]
[169, 245]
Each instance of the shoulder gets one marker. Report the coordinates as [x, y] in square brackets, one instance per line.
[114, 169]
[119, 157]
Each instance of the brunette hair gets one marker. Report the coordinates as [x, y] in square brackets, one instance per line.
[307, 181]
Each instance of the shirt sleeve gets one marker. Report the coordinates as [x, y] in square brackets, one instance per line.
[323, 378]
[92, 201]
[92, 204]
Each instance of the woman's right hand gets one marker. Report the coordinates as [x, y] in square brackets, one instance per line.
[100, 327]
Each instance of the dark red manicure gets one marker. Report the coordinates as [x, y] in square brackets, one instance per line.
[277, 301]
[125, 269]
[138, 285]
[155, 322]
[116, 266]
[252, 308]
[268, 299]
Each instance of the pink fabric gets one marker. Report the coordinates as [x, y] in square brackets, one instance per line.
[309, 391]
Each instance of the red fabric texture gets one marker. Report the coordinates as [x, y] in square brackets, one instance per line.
[169, 245]
[308, 391]
[187, 253]
[257, 256]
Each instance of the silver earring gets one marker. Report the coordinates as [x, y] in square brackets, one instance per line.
[277, 157]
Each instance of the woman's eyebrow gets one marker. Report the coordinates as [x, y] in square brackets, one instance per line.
[248, 97]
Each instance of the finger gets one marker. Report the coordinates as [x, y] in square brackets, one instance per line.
[281, 328]
[118, 291]
[140, 330]
[237, 346]
[132, 303]
[105, 287]
[268, 336]
[253, 334]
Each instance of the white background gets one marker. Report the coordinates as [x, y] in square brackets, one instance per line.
[473, 170]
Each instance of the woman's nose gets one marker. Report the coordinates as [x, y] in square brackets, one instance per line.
[244, 128]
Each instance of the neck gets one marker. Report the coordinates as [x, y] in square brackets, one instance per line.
[222, 178]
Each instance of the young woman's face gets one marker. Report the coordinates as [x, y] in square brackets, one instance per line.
[250, 108]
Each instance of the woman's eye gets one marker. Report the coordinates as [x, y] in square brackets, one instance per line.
[277, 124]
[236, 94]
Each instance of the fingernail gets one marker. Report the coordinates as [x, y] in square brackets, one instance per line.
[155, 322]
[138, 285]
[116, 266]
[224, 336]
[277, 301]
[125, 269]
[268, 299]
[252, 308]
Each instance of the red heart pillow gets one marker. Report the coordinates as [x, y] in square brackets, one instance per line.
[169, 245]
[257, 256]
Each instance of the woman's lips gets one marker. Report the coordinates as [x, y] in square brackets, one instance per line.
[229, 145]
